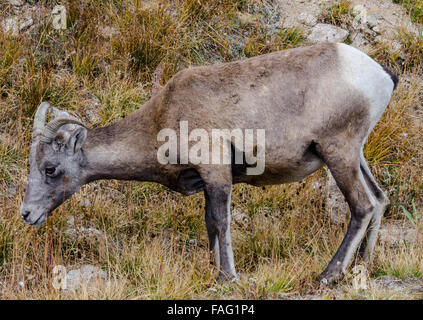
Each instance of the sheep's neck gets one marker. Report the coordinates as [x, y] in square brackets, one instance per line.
[122, 151]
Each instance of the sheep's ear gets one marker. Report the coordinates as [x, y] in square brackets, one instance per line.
[76, 140]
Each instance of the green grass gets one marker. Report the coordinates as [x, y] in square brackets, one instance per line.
[339, 14]
[414, 9]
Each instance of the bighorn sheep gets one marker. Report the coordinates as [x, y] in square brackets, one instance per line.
[317, 105]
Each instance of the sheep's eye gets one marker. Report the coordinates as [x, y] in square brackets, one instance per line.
[50, 171]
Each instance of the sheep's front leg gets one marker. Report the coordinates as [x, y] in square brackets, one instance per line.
[212, 233]
[218, 218]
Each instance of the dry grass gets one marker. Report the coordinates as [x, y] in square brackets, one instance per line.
[414, 8]
[403, 54]
[154, 243]
[339, 14]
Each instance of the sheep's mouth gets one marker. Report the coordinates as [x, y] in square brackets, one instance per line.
[39, 221]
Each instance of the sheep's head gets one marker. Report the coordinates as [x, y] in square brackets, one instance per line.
[56, 163]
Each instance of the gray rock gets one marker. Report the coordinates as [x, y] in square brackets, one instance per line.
[108, 32]
[363, 17]
[93, 108]
[87, 275]
[378, 29]
[11, 190]
[25, 24]
[356, 25]
[360, 16]
[84, 232]
[307, 19]
[395, 234]
[246, 18]
[77, 231]
[240, 218]
[359, 11]
[397, 47]
[317, 185]
[85, 203]
[408, 284]
[14, 24]
[17, 3]
[327, 33]
[372, 20]
[359, 41]
[10, 25]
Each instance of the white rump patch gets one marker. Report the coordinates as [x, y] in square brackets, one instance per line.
[367, 76]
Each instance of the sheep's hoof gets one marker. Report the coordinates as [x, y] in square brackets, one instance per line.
[328, 277]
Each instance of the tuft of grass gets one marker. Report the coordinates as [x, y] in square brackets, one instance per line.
[263, 43]
[414, 8]
[35, 85]
[392, 148]
[6, 244]
[339, 14]
[404, 55]
[413, 49]
[413, 215]
[10, 50]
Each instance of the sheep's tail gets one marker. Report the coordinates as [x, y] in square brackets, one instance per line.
[393, 76]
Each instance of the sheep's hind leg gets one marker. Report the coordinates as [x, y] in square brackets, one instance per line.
[351, 182]
[369, 242]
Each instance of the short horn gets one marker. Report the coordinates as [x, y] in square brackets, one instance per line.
[57, 113]
[40, 119]
[52, 127]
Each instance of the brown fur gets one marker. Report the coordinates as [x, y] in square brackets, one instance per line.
[279, 92]
[311, 115]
